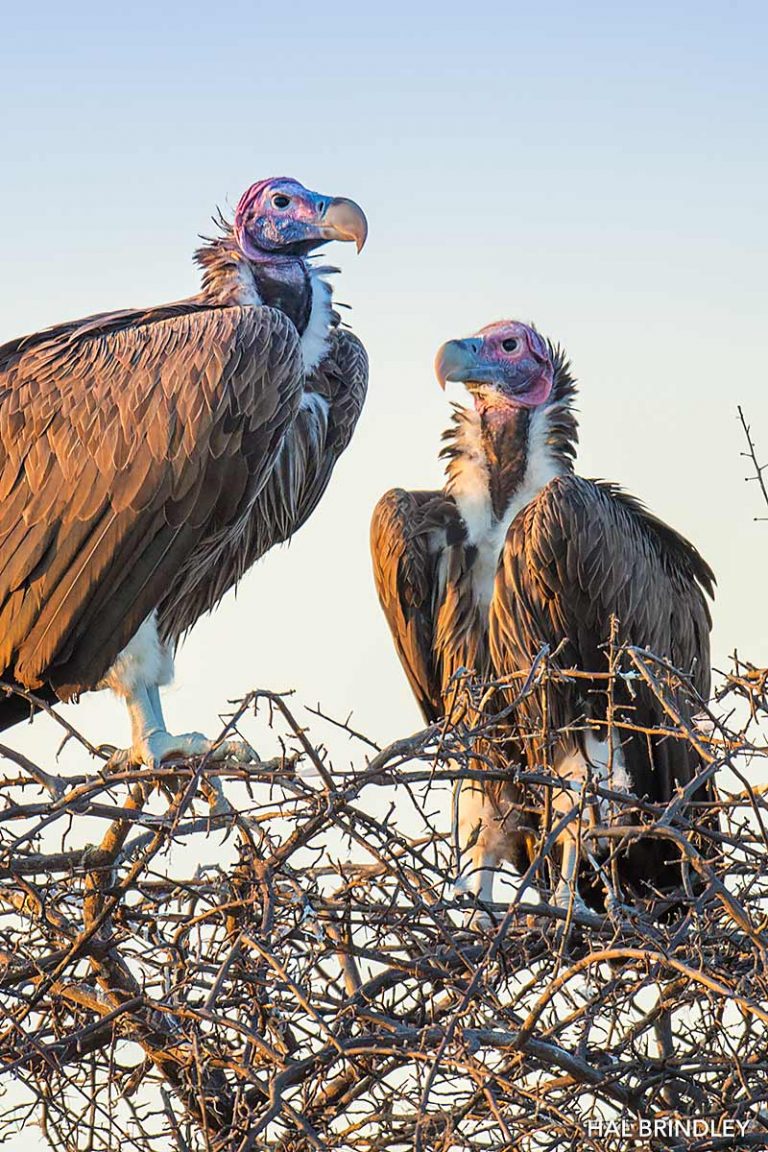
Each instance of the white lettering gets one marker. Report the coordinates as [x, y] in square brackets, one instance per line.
[666, 1127]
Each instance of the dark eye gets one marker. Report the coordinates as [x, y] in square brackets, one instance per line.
[281, 201]
[511, 344]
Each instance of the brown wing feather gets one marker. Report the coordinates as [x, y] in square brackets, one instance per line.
[321, 432]
[579, 554]
[314, 441]
[126, 442]
[405, 572]
[341, 381]
[423, 567]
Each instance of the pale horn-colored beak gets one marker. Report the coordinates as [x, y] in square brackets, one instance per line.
[455, 361]
[344, 220]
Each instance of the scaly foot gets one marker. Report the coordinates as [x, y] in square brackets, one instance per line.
[157, 747]
[564, 897]
[160, 746]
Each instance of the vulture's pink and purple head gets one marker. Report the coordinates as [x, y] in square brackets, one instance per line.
[506, 363]
[280, 216]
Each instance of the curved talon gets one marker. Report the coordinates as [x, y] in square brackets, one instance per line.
[116, 759]
[160, 747]
[238, 750]
[121, 758]
[218, 805]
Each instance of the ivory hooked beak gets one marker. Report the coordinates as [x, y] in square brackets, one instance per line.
[455, 360]
[344, 220]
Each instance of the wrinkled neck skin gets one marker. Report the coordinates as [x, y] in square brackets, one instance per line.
[274, 279]
[284, 283]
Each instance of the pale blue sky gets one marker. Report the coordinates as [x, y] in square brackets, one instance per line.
[597, 168]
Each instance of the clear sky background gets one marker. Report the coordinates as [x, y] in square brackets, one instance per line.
[597, 168]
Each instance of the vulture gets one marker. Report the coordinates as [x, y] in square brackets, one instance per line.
[148, 457]
[518, 554]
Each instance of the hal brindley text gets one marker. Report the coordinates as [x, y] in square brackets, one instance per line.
[627, 1127]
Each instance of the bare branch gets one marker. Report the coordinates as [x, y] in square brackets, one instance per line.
[298, 975]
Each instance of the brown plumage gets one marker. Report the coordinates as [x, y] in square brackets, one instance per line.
[148, 458]
[320, 431]
[419, 564]
[126, 443]
[424, 561]
[582, 552]
[518, 553]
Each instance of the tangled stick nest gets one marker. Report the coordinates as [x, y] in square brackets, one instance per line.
[297, 975]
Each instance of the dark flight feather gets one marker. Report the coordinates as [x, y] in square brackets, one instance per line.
[127, 441]
[315, 439]
[579, 554]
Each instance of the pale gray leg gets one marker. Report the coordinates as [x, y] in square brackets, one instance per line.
[478, 847]
[153, 691]
[139, 670]
[145, 713]
[152, 743]
[567, 889]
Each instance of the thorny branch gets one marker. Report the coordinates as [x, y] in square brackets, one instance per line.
[297, 976]
[751, 454]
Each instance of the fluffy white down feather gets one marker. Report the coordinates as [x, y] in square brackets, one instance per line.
[314, 342]
[470, 488]
[144, 660]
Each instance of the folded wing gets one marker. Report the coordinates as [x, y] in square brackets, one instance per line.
[580, 554]
[320, 431]
[127, 443]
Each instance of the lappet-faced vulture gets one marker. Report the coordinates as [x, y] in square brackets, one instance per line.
[148, 457]
[517, 554]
